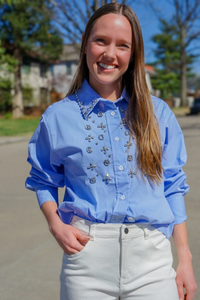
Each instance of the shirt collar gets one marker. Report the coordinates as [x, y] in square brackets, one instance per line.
[87, 98]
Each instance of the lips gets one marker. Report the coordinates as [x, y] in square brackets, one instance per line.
[106, 66]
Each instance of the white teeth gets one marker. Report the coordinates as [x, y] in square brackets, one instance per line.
[106, 66]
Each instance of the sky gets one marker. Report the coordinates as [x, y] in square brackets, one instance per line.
[150, 26]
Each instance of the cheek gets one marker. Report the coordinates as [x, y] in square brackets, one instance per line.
[125, 59]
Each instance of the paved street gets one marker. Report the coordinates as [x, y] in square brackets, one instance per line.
[29, 257]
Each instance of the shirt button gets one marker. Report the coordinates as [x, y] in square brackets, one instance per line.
[122, 197]
[112, 113]
[117, 138]
[121, 168]
[126, 230]
[131, 219]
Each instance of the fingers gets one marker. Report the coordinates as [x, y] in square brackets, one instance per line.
[181, 293]
[190, 292]
[180, 290]
[77, 241]
[81, 236]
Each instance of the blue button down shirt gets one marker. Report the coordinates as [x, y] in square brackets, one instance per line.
[83, 143]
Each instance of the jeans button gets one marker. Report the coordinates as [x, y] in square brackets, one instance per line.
[126, 230]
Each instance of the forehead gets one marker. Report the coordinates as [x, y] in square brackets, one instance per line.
[112, 24]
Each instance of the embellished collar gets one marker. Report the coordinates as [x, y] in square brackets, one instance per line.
[87, 98]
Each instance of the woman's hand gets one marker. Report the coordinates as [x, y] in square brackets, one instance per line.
[185, 275]
[70, 239]
[185, 279]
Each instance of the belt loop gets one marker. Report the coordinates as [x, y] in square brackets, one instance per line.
[146, 232]
[92, 230]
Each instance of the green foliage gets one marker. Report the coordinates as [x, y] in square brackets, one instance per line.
[27, 26]
[26, 31]
[27, 92]
[168, 63]
[5, 95]
[7, 64]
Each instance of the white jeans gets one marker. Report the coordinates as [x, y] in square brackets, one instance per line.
[121, 261]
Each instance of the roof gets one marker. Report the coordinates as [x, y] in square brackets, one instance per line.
[149, 69]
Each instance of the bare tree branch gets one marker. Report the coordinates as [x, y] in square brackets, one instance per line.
[71, 16]
[185, 18]
[191, 38]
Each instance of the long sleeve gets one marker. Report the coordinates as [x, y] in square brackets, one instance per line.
[174, 158]
[47, 172]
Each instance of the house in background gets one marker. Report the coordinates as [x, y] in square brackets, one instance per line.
[63, 72]
[43, 85]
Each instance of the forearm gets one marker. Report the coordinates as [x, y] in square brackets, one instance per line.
[49, 210]
[181, 241]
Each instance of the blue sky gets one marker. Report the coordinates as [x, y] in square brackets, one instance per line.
[150, 26]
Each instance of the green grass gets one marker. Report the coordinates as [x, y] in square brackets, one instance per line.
[24, 126]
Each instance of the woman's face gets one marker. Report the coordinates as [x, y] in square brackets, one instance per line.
[108, 52]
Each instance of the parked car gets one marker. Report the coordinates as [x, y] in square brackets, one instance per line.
[195, 108]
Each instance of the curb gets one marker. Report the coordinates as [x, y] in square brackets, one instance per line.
[12, 140]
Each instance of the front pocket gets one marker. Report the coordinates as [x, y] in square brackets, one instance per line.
[76, 255]
[158, 240]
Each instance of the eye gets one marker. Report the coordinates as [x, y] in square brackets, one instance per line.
[100, 41]
[124, 46]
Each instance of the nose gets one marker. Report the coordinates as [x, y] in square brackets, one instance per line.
[110, 52]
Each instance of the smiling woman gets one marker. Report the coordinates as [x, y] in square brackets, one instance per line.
[119, 153]
[108, 52]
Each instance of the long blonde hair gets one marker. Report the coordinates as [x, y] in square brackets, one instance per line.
[140, 116]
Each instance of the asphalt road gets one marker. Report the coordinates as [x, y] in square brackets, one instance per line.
[30, 259]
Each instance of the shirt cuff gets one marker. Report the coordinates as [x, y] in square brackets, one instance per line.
[46, 194]
[177, 205]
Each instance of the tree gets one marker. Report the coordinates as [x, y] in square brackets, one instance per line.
[26, 30]
[168, 63]
[186, 19]
[7, 65]
[71, 16]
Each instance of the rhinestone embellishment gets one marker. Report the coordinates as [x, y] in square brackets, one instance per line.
[101, 126]
[92, 166]
[87, 127]
[101, 137]
[89, 138]
[121, 109]
[89, 150]
[127, 132]
[128, 144]
[130, 157]
[107, 178]
[93, 180]
[106, 162]
[104, 150]
[131, 173]
[100, 114]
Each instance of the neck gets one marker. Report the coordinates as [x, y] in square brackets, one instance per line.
[107, 91]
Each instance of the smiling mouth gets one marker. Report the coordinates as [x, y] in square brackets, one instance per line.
[105, 66]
